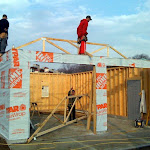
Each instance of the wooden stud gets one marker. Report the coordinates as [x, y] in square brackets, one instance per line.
[121, 91]
[118, 95]
[112, 92]
[116, 92]
[90, 108]
[108, 92]
[94, 99]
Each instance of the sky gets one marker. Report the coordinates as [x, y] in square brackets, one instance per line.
[123, 24]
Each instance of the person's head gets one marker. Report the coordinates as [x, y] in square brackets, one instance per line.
[88, 18]
[4, 16]
[73, 92]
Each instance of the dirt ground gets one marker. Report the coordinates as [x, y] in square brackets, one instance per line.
[3, 147]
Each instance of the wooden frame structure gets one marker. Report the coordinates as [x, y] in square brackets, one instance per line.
[72, 42]
[64, 122]
[117, 78]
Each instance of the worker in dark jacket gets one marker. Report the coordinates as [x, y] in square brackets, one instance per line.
[71, 101]
[4, 25]
[82, 34]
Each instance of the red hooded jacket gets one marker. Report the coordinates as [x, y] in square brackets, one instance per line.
[82, 28]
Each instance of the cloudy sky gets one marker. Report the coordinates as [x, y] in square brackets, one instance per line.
[123, 24]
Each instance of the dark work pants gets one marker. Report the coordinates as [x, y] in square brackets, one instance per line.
[3, 44]
[72, 113]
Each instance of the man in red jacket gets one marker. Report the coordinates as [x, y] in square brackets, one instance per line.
[82, 34]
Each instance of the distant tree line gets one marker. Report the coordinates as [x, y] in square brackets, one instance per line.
[141, 56]
[69, 68]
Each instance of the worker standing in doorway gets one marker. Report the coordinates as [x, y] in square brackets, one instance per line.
[71, 101]
[4, 25]
[82, 34]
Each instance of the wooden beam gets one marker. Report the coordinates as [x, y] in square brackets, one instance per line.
[90, 111]
[43, 45]
[94, 99]
[28, 43]
[118, 52]
[73, 41]
[57, 46]
[98, 50]
[60, 126]
[107, 51]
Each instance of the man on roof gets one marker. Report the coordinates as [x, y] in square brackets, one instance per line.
[82, 34]
[4, 25]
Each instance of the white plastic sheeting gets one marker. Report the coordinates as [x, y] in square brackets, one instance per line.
[15, 81]
[143, 108]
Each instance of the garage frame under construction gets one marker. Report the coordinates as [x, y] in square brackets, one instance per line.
[15, 85]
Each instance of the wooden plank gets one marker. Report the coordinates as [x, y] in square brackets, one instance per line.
[112, 93]
[116, 91]
[86, 91]
[90, 105]
[117, 100]
[28, 43]
[94, 99]
[118, 52]
[125, 92]
[57, 46]
[121, 91]
[98, 50]
[108, 92]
